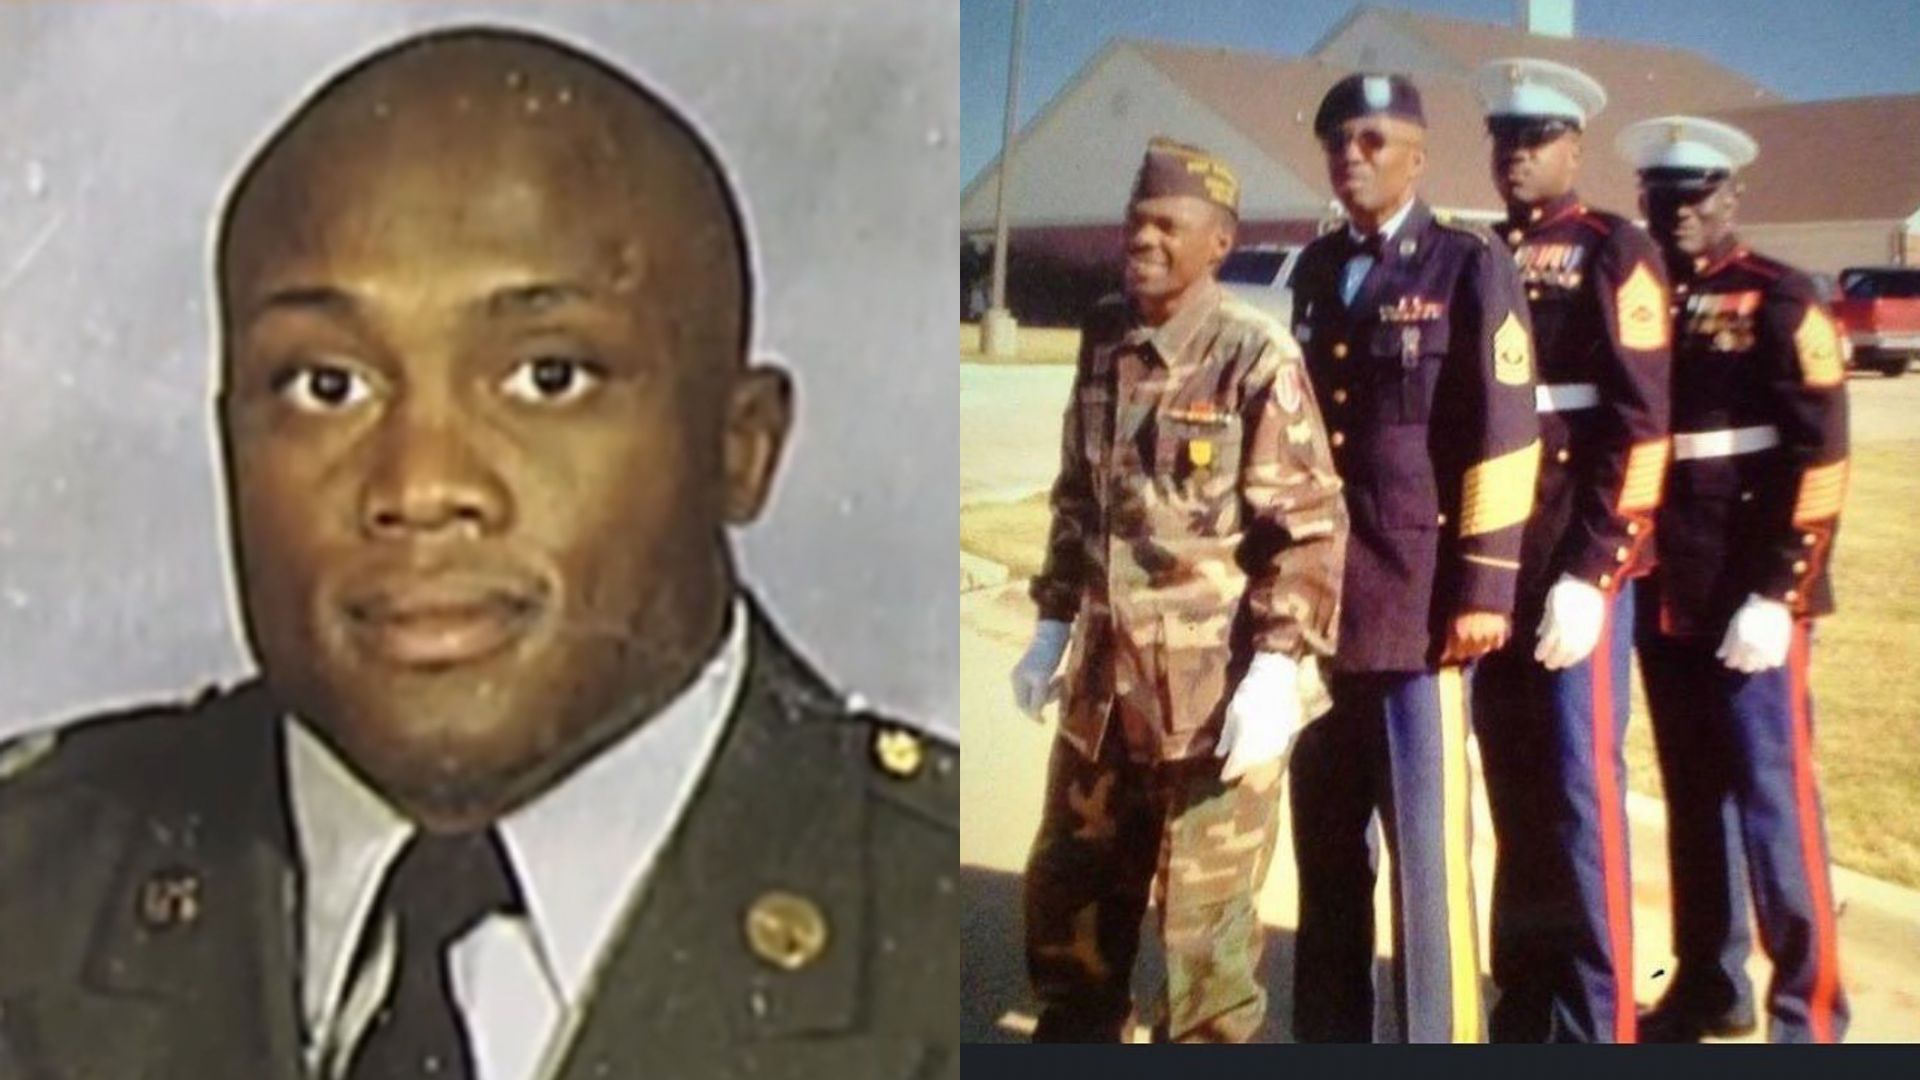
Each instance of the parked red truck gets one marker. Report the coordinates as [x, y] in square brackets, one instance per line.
[1880, 308]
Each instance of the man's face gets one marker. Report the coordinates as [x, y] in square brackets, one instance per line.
[1173, 241]
[1372, 162]
[483, 431]
[1690, 221]
[1534, 161]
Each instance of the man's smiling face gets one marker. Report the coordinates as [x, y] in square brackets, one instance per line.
[485, 420]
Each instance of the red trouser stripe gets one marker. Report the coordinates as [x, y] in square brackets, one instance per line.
[1826, 965]
[1613, 848]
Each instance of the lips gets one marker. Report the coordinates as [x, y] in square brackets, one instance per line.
[440, 621]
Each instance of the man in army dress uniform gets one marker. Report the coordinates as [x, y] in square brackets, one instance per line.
[1194, 563]
[1550, 706]
[528, 787]
[1415, 333]
[1745, 535]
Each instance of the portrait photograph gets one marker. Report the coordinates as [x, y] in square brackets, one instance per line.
[476, 513]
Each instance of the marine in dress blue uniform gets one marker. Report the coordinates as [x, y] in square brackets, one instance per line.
[1416, 339]
[1724, 631]
[1551, 706]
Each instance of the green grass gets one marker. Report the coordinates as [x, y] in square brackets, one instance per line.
[1866, 664]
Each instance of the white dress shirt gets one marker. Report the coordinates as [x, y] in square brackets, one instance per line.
[1358, 266]
[580, 852]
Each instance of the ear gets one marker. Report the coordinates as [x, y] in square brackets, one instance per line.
[759, 412]
[1417, 164]
[1222, 240]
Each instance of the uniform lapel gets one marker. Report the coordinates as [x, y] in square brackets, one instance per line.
[782, 813]
[189, 972]
[1366, 298]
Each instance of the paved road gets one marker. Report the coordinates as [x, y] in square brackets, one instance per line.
[1010, 424]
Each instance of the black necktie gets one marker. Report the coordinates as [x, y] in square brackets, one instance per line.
[439, 888]
[1368, 245]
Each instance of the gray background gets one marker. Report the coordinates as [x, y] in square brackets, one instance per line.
[121, 125]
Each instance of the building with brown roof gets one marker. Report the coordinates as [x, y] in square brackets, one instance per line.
[1831, 187]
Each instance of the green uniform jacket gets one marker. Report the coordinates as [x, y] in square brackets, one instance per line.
[149, 901]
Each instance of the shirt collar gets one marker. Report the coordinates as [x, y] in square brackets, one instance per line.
[1170, 338]
[580, 849]
[1389, 226]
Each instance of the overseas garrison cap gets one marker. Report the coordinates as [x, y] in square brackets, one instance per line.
[1685, 151]
[1174, 168]
[1368, 95]
[1517, 88]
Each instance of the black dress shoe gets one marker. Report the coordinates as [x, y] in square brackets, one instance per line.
[1684, 1022]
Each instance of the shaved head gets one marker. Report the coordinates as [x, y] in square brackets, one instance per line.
[487, 125]
[486, 413]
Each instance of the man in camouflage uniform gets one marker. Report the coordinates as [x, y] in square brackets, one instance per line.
[1551, 706]
[1416, 336]
[1194, 562]
[1724, 631]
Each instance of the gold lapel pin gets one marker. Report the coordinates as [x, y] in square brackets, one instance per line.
[898, 751]
[170, 898]
[786, 930]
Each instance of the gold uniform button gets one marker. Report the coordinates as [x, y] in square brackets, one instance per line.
[1746, 496]
[1800, 567]
[1808, 539]
[1533, 294]
[786, 930]
[1516, 236]
[898, 752]
[1606, 581]
[1443, 519]
[170, 898]
[1339, 438]
[1633, 528]
[1793, 596]
[1563, 455]
[1620, 554]
[1339, 350]
[1339, 397]
[1680, 289]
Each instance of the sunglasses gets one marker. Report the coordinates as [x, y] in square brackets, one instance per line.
[1370, 140]
[1527, 133]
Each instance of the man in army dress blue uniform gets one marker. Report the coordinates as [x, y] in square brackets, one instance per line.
[1745, 537]
[528, 786]
[1416, 336]
[1550, 707]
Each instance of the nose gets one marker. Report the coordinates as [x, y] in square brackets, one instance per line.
[427, 479]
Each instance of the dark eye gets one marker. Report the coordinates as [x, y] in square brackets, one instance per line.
[321, 388]
[549, 379]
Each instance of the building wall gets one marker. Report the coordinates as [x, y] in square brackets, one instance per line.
[1828, 246]
[1074, 165]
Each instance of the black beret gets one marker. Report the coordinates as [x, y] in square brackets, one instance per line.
[1363, 94]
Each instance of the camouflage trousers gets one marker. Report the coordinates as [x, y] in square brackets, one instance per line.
[1112, 829]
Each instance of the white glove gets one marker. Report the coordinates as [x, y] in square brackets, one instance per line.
[1576, 612]
[1263, 718]
[1033, 684]
[1758, 636]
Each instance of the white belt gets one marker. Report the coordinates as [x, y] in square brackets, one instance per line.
[1565, 397]
[1726, 442]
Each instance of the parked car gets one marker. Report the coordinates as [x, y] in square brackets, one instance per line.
[1879, 309]
[1262, 275]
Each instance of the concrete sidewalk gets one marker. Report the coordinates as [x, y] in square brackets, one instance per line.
[1000, 797]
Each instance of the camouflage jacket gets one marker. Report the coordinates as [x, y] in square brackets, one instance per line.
[1760, 446]
[1196, 519]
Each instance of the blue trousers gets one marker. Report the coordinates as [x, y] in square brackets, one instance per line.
[1552, 749]
[1394, 746]
[1736, 761]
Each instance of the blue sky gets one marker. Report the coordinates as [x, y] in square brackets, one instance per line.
[1800, 49]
